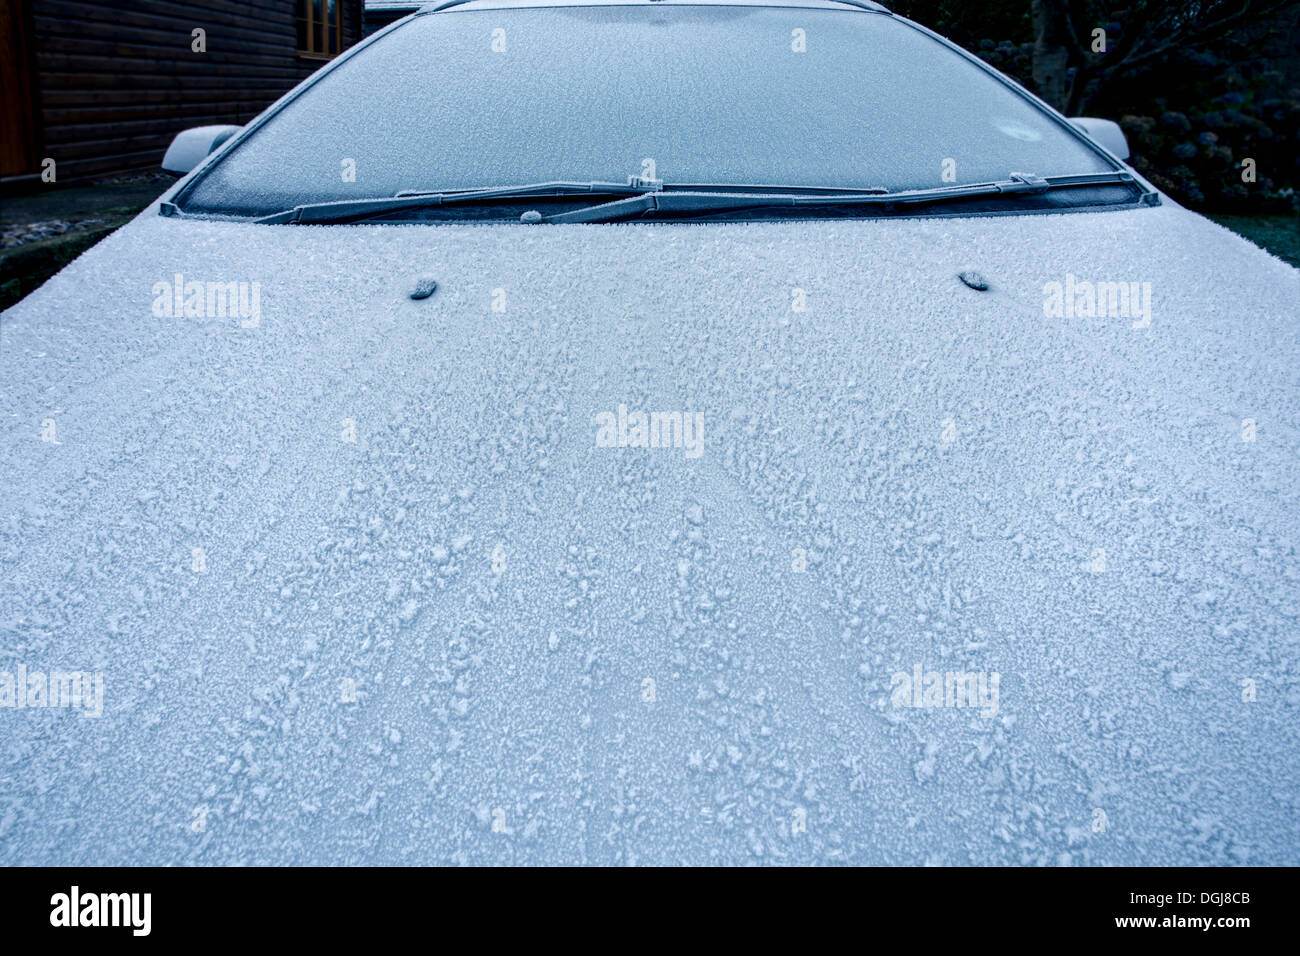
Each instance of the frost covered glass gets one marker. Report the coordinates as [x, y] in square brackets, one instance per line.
[709, 94]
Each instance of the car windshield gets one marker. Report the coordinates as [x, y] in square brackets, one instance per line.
[757, 96]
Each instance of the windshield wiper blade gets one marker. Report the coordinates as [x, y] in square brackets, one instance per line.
[1019, 184]
[351, 210]
[647, 197]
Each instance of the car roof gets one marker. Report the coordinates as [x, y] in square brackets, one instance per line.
[508, 4]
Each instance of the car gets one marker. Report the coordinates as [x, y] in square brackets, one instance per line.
[587, 431]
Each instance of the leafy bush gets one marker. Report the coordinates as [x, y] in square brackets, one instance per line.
[1192, 117]
[1196, 117]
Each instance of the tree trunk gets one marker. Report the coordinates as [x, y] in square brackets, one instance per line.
[1085, 85]
[1052, 52]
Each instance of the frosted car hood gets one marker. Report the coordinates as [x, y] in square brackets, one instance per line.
[473, 634]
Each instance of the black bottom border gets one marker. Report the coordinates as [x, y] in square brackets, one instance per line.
[943, 907]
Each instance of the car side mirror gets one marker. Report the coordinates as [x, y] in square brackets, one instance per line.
[192, 146]
[1105, 133]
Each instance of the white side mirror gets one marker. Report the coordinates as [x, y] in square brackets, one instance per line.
[1105, 133]
[192, 146]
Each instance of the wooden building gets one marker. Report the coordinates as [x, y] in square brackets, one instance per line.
[102, 86]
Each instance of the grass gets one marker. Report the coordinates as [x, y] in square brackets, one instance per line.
[1279, 235]
[23, 269]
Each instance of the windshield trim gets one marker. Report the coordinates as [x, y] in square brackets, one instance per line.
[1138, 199]
[650, 197]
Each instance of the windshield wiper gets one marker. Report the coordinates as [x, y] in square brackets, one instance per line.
[649, 197]
[352, 210]
[685, 202]
[356, 210]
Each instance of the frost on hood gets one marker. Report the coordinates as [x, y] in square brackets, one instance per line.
[950, 581]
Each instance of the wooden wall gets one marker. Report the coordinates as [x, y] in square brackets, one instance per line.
[116, 79]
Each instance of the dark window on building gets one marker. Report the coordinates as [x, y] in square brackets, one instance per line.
[320, 28]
